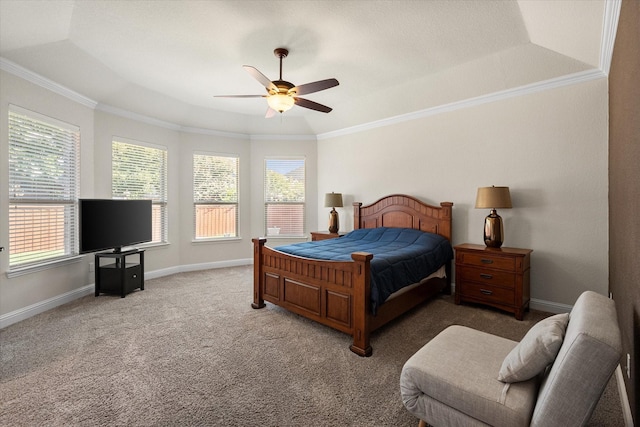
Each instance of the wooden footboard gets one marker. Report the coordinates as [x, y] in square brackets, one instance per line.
[334, 293]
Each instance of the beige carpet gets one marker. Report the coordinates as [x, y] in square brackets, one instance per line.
[189, 350]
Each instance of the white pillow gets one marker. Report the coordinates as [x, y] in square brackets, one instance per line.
[536, 351]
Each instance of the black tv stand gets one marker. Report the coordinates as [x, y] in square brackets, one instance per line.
[119, 277]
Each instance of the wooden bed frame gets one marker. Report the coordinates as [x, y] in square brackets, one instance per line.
[337, 293]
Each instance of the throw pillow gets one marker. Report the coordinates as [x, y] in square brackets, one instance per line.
[536, 351]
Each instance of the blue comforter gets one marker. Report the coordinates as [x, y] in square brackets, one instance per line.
[401, 256]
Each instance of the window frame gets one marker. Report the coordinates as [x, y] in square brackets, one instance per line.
[41, 191]
[160, 205]
[273, 228]
[197, 203]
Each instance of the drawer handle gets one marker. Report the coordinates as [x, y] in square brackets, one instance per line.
[486, 261]
[486, 276]
[134, 276]
[486, 292]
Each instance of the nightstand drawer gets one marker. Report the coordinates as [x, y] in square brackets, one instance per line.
[486, 276]
[481, 260]
[488, 293]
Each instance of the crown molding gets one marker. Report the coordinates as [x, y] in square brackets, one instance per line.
[284, 138]
[167, 125]
[203, 131]
[37, 79]
[127, 114]
[570, 79]
[554, 83]
[196, 130]
[137, 117]
[609, 31]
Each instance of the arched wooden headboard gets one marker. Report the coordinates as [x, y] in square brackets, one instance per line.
[399, 210]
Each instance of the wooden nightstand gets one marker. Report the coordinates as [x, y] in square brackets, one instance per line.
[493, 276]
[324, 235]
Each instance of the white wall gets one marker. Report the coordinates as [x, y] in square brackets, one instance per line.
[549, 147]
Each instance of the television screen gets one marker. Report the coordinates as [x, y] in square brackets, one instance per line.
[113, 224]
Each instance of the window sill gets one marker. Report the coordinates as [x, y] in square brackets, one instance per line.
[153, 245]
[21, 271]
[217, 240]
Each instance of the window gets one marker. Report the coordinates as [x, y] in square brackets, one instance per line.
[284, 197]
[139, 171]
[43, 188]
[215, 196]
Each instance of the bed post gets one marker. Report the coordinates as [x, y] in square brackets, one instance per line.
[356, 215]
[361, 304]
[444, 228]
[258, 276]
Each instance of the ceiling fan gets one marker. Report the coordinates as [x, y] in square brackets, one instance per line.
[282, 95]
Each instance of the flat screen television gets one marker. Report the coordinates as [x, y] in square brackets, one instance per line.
[113, 224]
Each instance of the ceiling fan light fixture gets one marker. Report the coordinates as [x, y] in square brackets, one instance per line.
[282, 95]
[280, 102]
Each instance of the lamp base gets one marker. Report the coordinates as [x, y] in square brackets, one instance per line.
[493, 230]
[334, 223]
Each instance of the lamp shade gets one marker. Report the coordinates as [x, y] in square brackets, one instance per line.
[333, 200]
[493, 198]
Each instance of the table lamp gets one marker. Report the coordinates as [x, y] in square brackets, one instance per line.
[333, 200]
[493, 198]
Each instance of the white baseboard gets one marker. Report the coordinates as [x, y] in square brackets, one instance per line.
[624, 398]
[217, 264]
[42, 306]
[549, 306]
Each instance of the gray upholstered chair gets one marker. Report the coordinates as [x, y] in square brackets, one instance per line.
[553, 377]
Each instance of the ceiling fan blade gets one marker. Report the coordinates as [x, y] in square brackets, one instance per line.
[264, 80]
[313, 87]
[240, 96]
[312, 105]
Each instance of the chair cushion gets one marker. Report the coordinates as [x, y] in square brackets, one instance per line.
[459, 368]
[536, 351]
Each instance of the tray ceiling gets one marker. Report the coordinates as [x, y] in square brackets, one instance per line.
[167, 59]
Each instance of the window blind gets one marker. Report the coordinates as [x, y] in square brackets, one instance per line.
[43, 188]
[139, 171]
[215, 196]
[284, 194]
